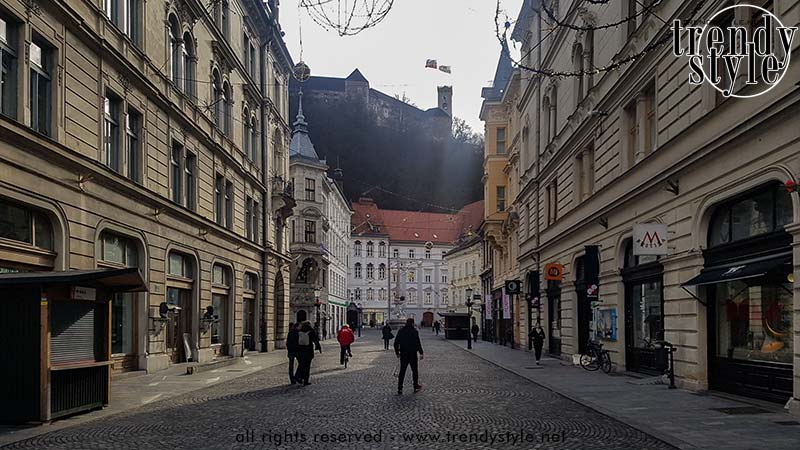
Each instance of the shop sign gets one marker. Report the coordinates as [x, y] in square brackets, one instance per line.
[553, 272]
[650, 239]
[82, 293]
[513, 287]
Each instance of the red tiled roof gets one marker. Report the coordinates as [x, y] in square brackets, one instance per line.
[414, 226]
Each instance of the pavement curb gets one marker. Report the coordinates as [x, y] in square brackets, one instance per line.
[644, 428]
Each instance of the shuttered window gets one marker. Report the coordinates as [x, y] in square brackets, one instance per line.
[72, 332]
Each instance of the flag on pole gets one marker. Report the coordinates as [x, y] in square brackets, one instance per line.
[431, 64]
[445, 69]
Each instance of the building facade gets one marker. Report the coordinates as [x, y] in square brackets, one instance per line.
[465, 262]
[320, 230]
[641, 147]
[152, 135]
[368, 269]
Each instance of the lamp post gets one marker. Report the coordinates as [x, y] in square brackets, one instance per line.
[469, 304]
[316, 306]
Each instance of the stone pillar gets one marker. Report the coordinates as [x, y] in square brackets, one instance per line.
[641, 126]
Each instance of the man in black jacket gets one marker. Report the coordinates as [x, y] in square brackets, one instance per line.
[307, 341]
[406, 346]
[291, 350]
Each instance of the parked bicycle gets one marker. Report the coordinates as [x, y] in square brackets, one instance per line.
[594, 357]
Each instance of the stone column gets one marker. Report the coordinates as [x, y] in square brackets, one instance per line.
[641, 126]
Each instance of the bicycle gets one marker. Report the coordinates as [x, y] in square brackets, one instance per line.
[346, 359]
[595, 358]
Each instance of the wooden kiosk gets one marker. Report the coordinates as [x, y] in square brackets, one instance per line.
[57, 340]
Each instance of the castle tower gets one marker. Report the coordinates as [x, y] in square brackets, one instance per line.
[446, 99]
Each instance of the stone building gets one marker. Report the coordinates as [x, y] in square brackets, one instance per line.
[639, 147]
[320, 234]
[465, 262]
[154, 135]
[368, 267]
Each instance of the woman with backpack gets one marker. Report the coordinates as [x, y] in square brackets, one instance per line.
[307, 342]
[387, 336]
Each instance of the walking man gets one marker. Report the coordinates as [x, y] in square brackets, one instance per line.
[307, 341]
[436, 327]
[537, 334]
[475, 331]
[387, 335]
[291, 350]
[345, 338]
[406, 346]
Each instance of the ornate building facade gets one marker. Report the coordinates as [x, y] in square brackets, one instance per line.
[152, 135]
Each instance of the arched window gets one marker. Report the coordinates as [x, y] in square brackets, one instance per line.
[546, 119]
[218, 99]
[577, 66]
[357, 292]
[760, 212]
[382, 249]
[357, 248]
[370, 249]
[370, 271]
[116, 252]
[228, 101]
[246, 134]
[219, 311]
[176, 50]
[382, 271]
[189, 67]
[357, 270]
[254, 141]
[180, 274]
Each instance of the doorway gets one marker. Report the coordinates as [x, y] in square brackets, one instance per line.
[179, 326]
[554, 317]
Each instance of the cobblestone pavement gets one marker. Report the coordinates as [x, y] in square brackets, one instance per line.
[464, 399]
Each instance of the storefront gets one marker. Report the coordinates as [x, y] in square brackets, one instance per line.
[58, 340]
[583, 307]
[748, 286]
[644, 310]
[554, 317]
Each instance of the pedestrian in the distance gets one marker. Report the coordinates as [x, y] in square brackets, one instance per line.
[324, 332]
[345, 338]
[307, 342]
[291, 350]
[387, 335]
[537, 334]
[475, 331]
[406, 346]
[436, 327]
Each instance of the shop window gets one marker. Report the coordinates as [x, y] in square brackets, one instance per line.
[761, 212]
[754, 322]
[8, 67]
[19, 223]
[218, 312]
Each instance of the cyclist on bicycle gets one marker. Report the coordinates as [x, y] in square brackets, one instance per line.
[345, 338]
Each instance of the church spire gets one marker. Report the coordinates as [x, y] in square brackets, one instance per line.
[300, 124]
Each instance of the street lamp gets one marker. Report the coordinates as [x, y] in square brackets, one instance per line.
[316, 306]
[468, 302]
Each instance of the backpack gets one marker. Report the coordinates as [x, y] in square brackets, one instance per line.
[303, 338]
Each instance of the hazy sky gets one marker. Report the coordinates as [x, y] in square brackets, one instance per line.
[457, 33]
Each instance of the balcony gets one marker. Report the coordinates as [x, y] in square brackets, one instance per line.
[283, 201]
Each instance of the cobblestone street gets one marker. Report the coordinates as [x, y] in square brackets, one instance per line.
[462, 394]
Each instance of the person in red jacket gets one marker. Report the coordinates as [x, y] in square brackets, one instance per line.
[345, 338]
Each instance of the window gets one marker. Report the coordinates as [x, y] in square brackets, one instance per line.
[311, 232]
[370, 294]
[553, 112]
[227, 100]
[411, 253]
[111, 142]
[122, 252]
[501, 141]
[118, 250]
[133, 124]
[254, 218]
[246, 133]
[501, 198]
[176, 162]
[357, 248]
[357, 293]
[382, 294]
[394, 276]
[552, 201]
[40, 91]
[395, 253]
[253, 61]
[427, 254]
[428, 298]
[218, 100]
[577, 66]
[248, 213]
[191, 180]
[584, 173]
[175, 52]
[8, 68]
[412, 275]
[764, 211]
[225, 22]
[370, 271]
[189, 66]
[443, 297]
[427, 276]
[254, 140]
[229, 204]
[632, 24]
[221, 275]
[357, 270]
[250, 282]
[650, 130]
[370, 249]
[133, 22]
[444, 277]
[125, 15]
[382, 249]
[218, 312]
[546, 120]
[219, 199]
[311, 194]
[633, 133]
[382, 271]
[19, 223]
[412, 296]
[178, 265]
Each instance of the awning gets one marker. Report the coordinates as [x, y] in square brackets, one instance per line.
[111, 280]
[740, 271]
